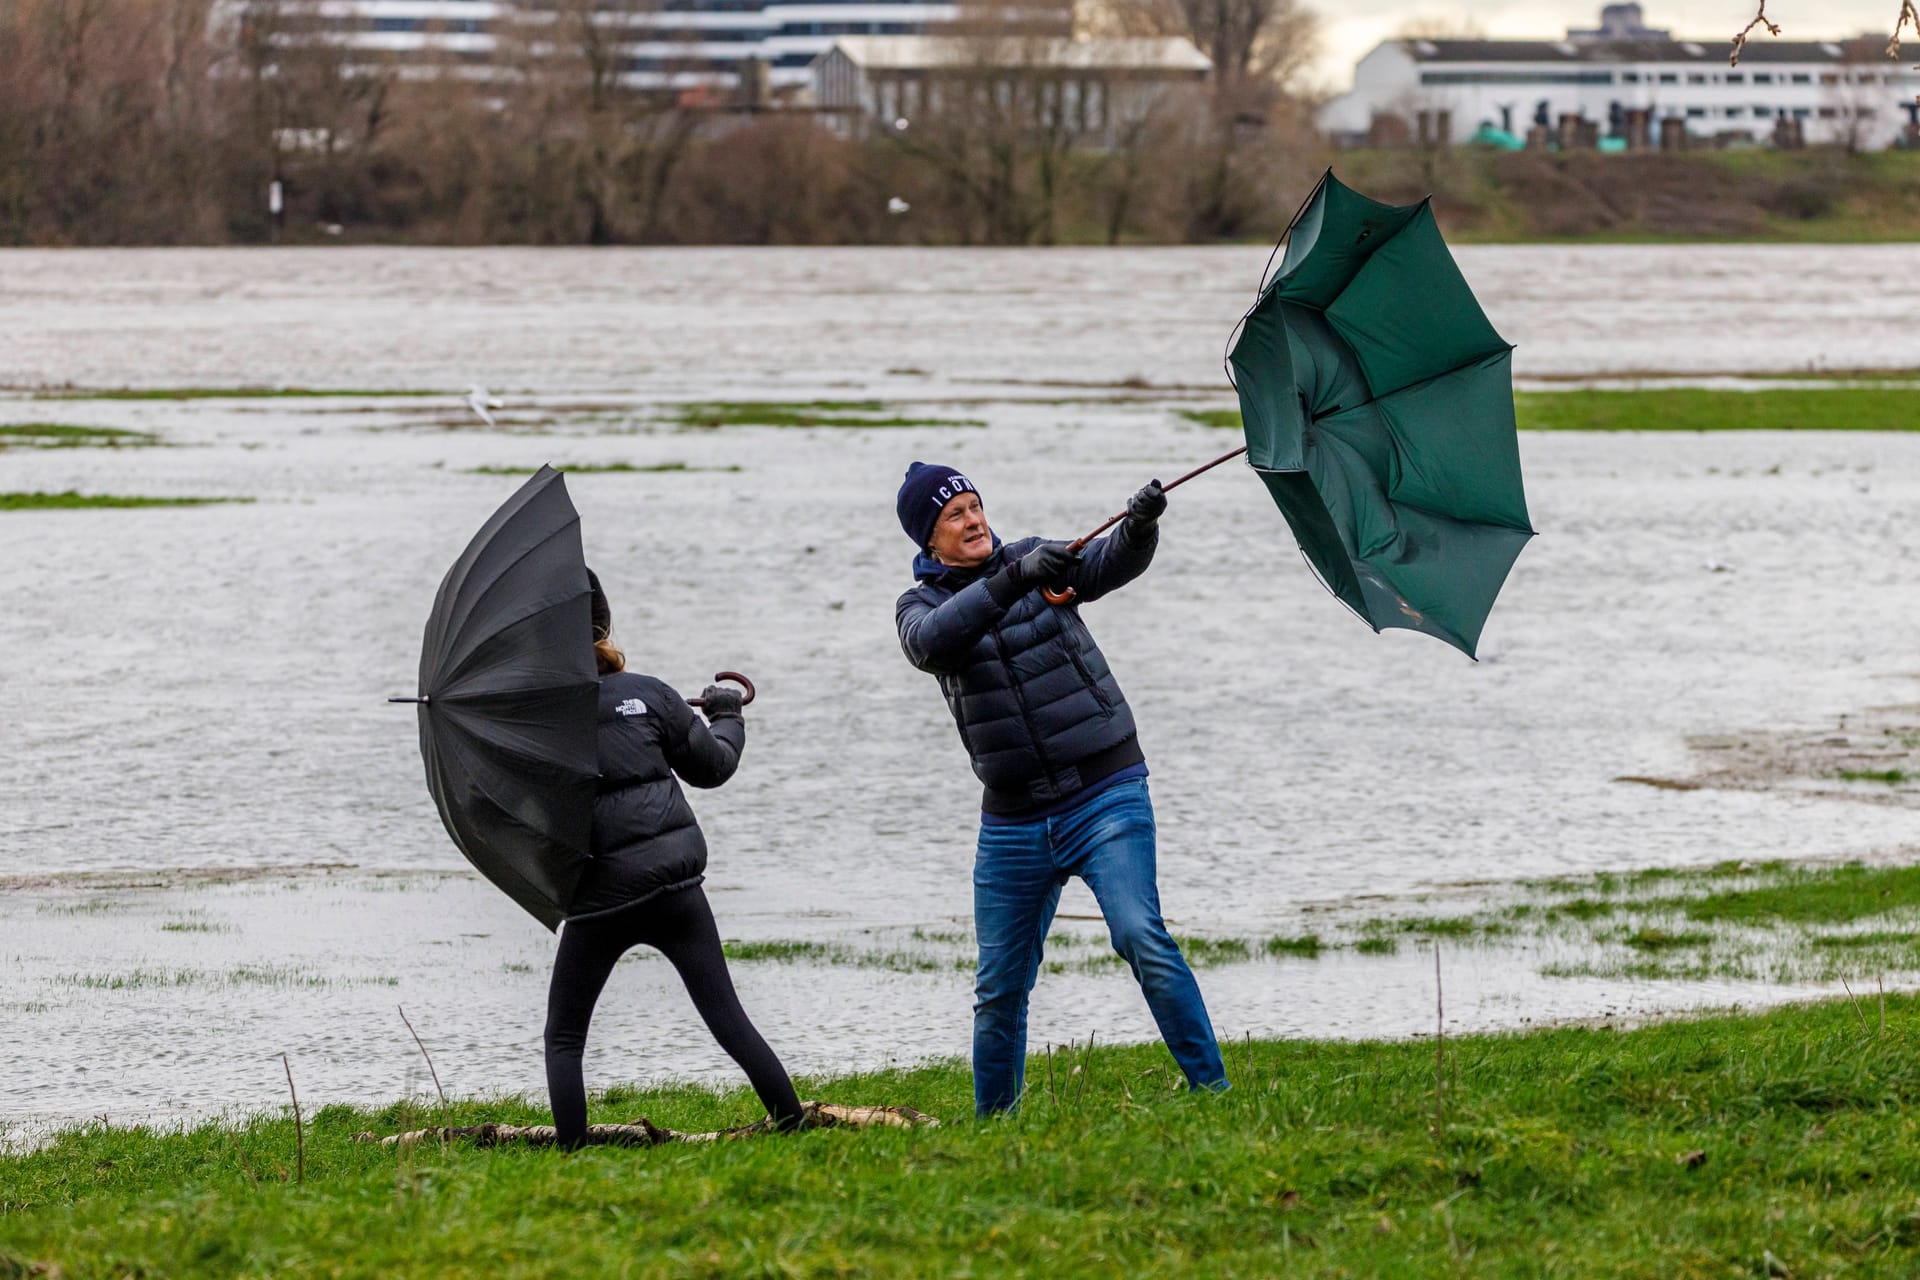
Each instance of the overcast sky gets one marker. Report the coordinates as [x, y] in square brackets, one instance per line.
[1352, 27]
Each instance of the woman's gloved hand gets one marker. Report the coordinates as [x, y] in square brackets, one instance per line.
[718, 701]
[1146, 506]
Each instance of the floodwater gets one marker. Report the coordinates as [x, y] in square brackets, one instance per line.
[203, 688]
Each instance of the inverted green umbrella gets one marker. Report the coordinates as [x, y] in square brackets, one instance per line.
[1378, 407]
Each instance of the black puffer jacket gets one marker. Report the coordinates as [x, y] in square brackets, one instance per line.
[645, 838]
[1038, 709]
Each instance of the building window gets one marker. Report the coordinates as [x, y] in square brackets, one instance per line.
[1763, 77]
[1629, 77]
[1696, 78]
[1736, 77]
[1801, 77]
[1733, 112]
[1668, 77]
[1694, 113]
[1828, 113]
[1516, 77]
[1763, 111]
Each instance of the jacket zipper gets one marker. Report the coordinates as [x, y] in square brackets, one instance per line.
[1026, 716]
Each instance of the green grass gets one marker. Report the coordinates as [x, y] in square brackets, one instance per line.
[1308, 946]
[856, 414]
[1699, 409]
[70, 500]
[1892, 777]
[230, 393]
[600, 469]
[1863, 408]
[65, 435]
[1822, 895]
[1784, 1144]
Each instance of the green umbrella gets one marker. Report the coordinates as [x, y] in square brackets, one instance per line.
[1378, 407]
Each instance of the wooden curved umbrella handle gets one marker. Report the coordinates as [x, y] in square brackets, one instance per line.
[734, 676]
[1064, 595]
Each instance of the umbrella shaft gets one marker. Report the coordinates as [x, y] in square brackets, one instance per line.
[1081, 543]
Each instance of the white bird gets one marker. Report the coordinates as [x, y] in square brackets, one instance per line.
[896, 206]
[480, 402]
[1717, 566]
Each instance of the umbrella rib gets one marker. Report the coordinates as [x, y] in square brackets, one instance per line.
[472, 605]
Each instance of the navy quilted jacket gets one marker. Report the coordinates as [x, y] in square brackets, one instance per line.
[645, 837]
[1038, 709]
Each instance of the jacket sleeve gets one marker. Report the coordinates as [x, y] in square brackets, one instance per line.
[937, 638]
[703, 755]
[1113, 562]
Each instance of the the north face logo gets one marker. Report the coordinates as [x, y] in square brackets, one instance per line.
[632, 707]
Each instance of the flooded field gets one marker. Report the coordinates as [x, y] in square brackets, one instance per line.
[215, 840]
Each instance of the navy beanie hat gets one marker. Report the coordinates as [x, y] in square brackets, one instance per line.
[926, 490]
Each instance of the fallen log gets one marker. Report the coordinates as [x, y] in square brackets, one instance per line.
[645, 1133]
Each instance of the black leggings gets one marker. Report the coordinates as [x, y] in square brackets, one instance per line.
[680, 924]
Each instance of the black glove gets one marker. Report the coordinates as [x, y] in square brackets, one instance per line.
[1044, 566]
[1146, 506]
[718, 701]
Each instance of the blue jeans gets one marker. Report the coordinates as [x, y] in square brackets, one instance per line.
[1017, 875]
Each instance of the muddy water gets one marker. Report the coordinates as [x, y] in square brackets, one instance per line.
[204, 687]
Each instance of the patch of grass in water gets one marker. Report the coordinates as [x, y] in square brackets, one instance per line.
[856, 414]
[90, 907]
[1221, 418]
[1877, 938]
[1581, 909]
[231, 393]
[602, 469]
[71, 500]
[1307, 946]
[1205, 952]
[66, 435]
[1380, 946]
[1851, 408]
[1651, 938]
[1825, 895]
[195, 926]
[1892, 777]
[831, 953]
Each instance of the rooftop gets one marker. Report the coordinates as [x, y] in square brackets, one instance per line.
[911, 52]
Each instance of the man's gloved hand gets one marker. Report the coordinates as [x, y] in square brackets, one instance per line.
[1146, 506]
[1044, 566]
[718, 700]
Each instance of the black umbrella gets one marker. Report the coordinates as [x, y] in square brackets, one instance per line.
[508, 699]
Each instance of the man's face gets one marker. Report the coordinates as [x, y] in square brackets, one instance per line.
[960, 536]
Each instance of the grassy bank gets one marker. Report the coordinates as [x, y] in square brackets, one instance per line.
[1782, 1144]
[1863, 408]
[1816, 196]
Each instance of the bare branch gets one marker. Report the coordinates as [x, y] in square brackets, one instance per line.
[1760, 20]
[1908, 16]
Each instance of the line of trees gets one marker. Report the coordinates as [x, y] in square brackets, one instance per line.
[167, 121]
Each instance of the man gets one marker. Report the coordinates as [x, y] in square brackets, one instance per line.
[1053, 742]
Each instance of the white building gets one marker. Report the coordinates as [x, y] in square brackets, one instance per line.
[664, 44]
[1091, 88]
[1839, 91]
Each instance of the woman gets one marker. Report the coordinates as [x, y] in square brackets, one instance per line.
[643, 884]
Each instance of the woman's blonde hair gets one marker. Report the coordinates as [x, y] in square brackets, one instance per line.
[608, 658]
